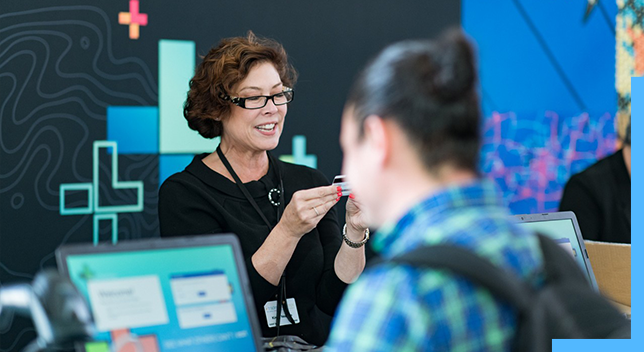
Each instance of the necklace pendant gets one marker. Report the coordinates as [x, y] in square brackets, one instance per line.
[274, 196]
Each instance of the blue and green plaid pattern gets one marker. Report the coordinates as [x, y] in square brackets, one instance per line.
[402, 308]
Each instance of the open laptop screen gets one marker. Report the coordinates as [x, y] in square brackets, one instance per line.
[562, 227]
[165, 295]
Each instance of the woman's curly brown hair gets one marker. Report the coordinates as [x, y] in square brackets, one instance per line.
[221, 69]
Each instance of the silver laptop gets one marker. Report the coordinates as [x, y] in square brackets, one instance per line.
[182, 294]
[564, 229]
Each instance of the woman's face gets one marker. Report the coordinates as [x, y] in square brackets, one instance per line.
[258, 129]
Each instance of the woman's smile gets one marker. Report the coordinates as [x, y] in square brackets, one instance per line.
[267, 129]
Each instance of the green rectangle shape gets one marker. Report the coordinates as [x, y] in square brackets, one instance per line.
[176, 68]
[97, 347]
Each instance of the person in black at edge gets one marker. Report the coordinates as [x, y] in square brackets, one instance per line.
[282, 213]
[600, 197]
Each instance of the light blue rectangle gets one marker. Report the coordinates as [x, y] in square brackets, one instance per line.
[637, 228]
[134, 128]
[637, 206]
[171, 164]
[176, 68]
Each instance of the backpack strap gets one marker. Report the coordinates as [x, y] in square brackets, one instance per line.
[566, 298]
[501, 283]
[559, 265]
[463, 262]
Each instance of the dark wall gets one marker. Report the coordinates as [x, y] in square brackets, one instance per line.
[63, 63]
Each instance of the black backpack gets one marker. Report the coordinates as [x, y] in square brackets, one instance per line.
[565, 307]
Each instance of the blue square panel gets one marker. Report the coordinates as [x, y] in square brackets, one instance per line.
[542, 55]
[171, 164]
[134, 128]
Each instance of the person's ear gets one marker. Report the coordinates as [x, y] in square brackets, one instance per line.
[377, 138]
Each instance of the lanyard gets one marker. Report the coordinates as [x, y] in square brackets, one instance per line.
[280, 209]
[250, 199]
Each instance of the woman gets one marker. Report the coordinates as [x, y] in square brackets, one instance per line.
[282, 213]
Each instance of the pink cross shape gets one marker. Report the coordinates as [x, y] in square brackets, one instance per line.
[134, 19]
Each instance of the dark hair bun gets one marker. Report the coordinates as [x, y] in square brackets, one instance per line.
[207, 127]
[200, 120]
[455, 72]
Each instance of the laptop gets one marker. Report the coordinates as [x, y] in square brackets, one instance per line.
[185, 294]
[564, 229]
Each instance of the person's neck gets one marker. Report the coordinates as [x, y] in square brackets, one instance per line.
[408, 189]
[249, 165]
[626, 153]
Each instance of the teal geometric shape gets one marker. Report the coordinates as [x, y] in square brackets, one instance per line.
[115, 226]
[76, 187]
[116, 184]
[299, 154]
[176, 68]
[102, 212]
[170, 164]
[134, 128]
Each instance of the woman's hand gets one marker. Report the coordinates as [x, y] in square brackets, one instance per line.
[307, 208]
[349, 262]
[355, 219]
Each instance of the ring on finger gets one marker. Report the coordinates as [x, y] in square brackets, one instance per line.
[316, 211]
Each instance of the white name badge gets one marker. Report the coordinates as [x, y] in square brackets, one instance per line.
[270, 308]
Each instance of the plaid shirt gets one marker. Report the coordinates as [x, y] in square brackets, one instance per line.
[402, 308]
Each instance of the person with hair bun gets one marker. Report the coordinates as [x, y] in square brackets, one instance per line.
[410, 136]
[299, 261]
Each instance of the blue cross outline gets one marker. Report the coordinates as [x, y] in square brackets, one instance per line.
[299, 154]
[102, 212]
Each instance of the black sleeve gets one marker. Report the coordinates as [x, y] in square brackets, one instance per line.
[182, 213]
[330, 288]
[578, 198]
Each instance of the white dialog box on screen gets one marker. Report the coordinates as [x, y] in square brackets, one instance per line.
[204, 315]
[127, 303]
[200, 288]
[203, 299]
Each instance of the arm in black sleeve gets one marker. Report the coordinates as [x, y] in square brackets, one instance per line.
[329, 288]
[578, 198]
[263, 291]
[182, 211]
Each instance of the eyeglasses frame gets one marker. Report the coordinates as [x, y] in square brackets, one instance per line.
[241, 102]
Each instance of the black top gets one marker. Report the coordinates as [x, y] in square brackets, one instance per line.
[199, 200]
[600, 197]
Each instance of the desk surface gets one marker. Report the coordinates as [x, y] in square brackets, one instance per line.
[622, 308]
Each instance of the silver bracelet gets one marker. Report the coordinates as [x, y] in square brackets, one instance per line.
[351, 243]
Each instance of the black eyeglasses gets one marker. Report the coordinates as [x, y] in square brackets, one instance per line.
[259, 101]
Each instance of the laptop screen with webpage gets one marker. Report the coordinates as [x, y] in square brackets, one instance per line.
[563, 228]
[185, 294]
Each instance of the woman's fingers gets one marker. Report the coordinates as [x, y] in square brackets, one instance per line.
[314, 203]
[317, 196]
[330, 196]
[308, 207]
[331, 202]
[320, 192]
